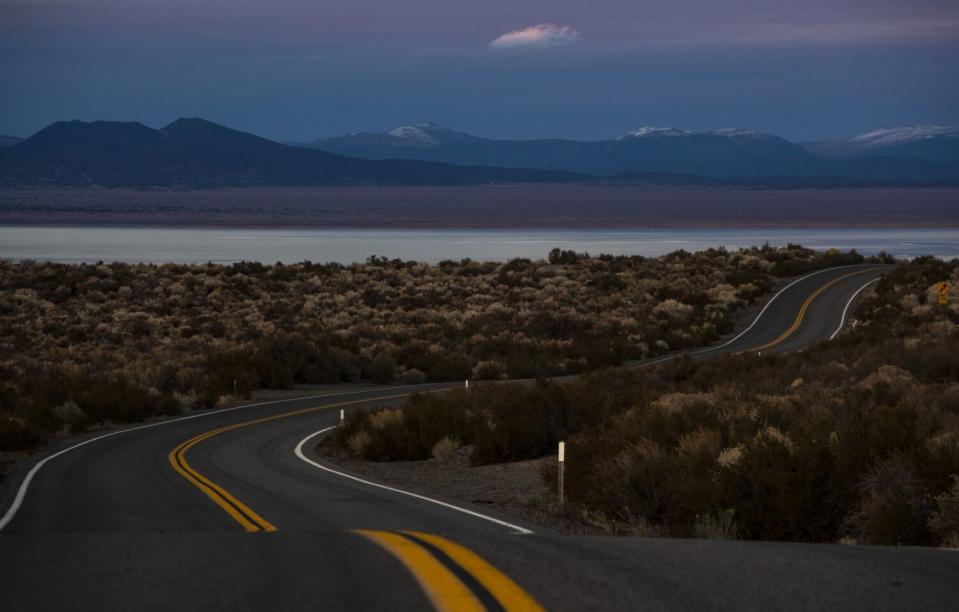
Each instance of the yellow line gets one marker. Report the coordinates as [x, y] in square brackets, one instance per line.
[507, 593]
[802, 311]
[240, 512]
[445, 590]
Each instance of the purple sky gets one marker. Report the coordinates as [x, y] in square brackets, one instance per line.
[299, 69]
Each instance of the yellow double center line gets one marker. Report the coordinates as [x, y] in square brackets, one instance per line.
[241, 513]
[452, 576]
[802, 311]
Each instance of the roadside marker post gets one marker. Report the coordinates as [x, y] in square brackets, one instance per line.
[467, 385]
[562, 464]
[342, 416]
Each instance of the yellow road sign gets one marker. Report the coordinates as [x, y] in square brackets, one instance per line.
[943, 292]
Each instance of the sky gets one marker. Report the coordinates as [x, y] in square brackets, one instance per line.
[585, 69]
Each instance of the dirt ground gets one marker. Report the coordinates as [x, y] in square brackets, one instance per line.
[516, 489]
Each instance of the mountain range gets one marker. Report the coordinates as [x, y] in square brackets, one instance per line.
[194, 153]
[920, 154]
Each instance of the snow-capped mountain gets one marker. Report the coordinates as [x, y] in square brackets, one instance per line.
[740, 133]
[418, 133]
[900, 135]
[729, 152]
[654, 132]
[720, 153]
[429, 133]
[934, 143]
[413, 135]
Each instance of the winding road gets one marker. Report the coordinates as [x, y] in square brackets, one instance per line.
[233, 510]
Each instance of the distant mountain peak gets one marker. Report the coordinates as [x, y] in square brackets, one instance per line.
[650, 131]
[429, 134]
[896, 135]
[936, 143]
[192, 123]
[670, 132]
[738, 132]
[421, 132]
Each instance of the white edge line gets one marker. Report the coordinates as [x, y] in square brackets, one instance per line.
[751, 325]
[845, 311]
[22, 491]
[299, 453]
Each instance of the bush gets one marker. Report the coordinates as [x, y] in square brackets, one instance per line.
[412, 377]
[894, 506]
[383, 369]
[489, 370]
[445, 448]
[944, 522]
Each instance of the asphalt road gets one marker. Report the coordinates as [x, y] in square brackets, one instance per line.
[219, 512]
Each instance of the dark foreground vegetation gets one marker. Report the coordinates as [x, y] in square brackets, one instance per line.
[856, 439]
[83, 345]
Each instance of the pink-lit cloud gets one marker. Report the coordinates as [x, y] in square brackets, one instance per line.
[540, 35]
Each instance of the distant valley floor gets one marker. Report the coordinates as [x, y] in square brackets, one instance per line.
[495, 206]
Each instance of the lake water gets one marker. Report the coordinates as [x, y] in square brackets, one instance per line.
[188, 245]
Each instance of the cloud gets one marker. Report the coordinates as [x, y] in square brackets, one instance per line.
[541, 35]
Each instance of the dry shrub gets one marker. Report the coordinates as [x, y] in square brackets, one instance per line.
[893, 505]
[944, 522]
[445, 448]
[69, 414]
[385, 418]
[674, 403]
[701, 446]
[359, 442]
[729, 457]
[720, 527]
[412, 377]
[489, 370]
[893, 376]
[635, 526]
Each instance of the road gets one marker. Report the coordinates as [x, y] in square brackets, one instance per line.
[220, 511]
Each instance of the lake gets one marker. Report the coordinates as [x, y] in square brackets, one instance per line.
[190, 245]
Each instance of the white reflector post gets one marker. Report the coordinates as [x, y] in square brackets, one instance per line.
[560, 493]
